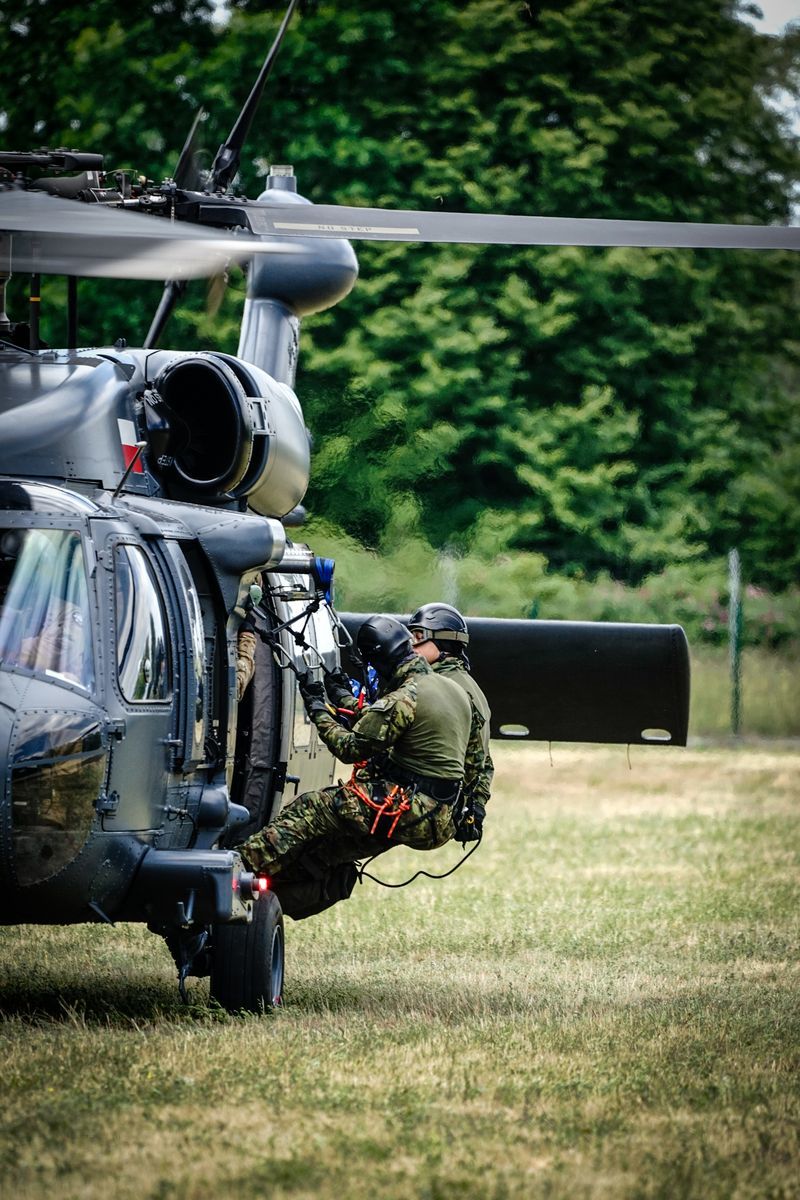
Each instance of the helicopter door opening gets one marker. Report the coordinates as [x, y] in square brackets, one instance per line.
[259, 771]
[309, 759]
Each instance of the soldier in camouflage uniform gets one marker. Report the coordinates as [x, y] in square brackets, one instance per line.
[441, 637]
[245, 656]
[415, 749]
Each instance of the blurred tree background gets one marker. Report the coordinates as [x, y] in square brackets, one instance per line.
[555, 431]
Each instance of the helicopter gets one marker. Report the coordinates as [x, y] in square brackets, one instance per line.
[149, 502]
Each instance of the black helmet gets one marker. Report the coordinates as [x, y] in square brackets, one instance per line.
[443, 624]
[384, 643]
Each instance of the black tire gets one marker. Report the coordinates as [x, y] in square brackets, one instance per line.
[248, 960]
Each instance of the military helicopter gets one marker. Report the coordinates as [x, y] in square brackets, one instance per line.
[148, 501]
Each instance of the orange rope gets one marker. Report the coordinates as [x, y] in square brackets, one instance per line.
[385, 809]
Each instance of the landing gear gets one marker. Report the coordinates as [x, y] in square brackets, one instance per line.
[247, 960]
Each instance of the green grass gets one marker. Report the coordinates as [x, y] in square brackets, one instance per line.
[603, 1003]
[770, 692]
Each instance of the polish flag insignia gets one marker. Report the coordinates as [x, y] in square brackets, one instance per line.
[127, 436]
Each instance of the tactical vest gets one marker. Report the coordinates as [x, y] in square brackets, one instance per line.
[436, 743]
[453, 669]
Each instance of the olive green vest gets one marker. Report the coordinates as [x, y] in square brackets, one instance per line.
[453, 668]
[436, 743]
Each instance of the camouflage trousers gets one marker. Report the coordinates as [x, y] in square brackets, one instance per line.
[335, 825]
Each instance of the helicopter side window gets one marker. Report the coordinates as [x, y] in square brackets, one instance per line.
[143, 660]
[45, 621]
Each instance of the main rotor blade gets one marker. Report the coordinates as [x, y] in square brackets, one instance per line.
[50, 235]
[403, 225]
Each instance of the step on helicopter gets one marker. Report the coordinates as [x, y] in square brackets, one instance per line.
[149, 502]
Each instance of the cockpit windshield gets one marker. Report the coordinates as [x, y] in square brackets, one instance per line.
[45, 620]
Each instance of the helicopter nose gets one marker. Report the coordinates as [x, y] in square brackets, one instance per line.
[52, 765]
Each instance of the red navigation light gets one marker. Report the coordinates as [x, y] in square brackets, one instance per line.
[235, 883]
[262, 884]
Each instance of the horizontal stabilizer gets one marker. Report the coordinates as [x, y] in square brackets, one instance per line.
[580, 681]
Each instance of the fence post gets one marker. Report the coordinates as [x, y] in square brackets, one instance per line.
[449, 577]
[735, 637]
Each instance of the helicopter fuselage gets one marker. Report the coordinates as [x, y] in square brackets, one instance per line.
[123, 752]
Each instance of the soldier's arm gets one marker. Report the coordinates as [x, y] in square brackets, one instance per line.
[477, 780]
[482, 788]
[340, 692]
[245, 660]
[378, 727]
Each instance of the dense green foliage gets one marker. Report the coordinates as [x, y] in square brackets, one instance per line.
[607, 411]
[520, 584]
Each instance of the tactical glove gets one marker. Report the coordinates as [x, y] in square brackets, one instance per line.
[337, 685]
[470, 825]
[313, 694]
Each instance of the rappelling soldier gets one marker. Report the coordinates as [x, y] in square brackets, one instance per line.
[415, 751]
[440, 635]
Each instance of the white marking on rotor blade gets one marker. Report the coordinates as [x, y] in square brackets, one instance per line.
[309, 228]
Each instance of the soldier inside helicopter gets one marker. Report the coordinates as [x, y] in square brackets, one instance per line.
[45, 622]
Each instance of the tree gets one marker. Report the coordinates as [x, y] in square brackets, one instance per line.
[490, 352]
[626, 407]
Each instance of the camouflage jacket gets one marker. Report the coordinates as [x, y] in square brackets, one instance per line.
[381, 726]
[453, 668]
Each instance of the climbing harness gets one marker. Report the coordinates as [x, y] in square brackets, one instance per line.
[395, 803]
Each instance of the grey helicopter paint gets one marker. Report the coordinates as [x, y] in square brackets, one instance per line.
[148, 500]
[154, 764]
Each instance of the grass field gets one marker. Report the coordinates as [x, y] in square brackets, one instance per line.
[769, 695]
[603, 1003]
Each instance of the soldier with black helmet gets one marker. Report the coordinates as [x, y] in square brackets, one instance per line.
[440, 635]
[414, 752]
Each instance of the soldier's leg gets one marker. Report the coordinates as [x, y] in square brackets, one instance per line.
[330, 819]
[428, 824]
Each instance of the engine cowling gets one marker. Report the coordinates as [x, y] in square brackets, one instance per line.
[220, 427]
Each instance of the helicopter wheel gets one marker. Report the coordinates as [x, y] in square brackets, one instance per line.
[248, 960]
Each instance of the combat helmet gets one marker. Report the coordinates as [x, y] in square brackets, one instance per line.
[384, 642]
[443, 624]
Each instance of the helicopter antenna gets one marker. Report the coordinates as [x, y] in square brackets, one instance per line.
[226, 162]
[140, 446]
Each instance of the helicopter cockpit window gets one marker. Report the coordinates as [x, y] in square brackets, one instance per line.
[45, 621]
[143, 661]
